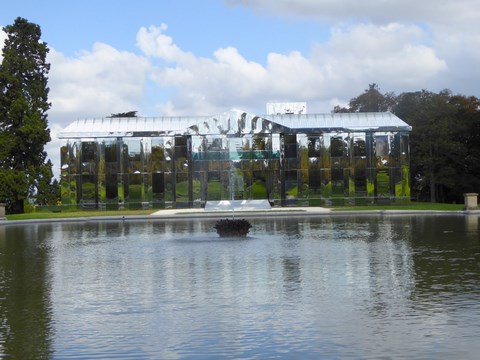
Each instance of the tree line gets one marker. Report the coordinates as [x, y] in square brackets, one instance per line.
[444, 142]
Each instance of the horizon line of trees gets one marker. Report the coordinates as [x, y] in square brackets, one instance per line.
[444, 142]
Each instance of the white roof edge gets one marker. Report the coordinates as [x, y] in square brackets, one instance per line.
[118, 127]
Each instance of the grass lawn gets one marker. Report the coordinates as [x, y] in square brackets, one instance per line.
[96, 213]
[409, 206]
[74, 214]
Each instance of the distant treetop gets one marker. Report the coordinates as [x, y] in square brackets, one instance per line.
[124, 114]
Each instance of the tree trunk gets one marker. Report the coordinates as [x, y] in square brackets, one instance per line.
[432, 189]
[432, 177]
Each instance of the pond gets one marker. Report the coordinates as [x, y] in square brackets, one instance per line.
[329, 287]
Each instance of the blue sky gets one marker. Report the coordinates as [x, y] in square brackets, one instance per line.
[199, 26]
[190, 57]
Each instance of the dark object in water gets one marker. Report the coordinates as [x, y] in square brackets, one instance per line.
[232, 227]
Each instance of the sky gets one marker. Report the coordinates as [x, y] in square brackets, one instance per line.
[191, 57]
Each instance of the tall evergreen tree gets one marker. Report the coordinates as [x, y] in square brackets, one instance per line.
[23, 113]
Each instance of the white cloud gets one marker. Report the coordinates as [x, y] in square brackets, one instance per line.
[93, 84]
[386, 11]
[53, 148]
[355, 56]
[391, 55]
[96, 83]
[451, 33]
[153, 42]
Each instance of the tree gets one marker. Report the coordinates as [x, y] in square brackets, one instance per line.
[47, 192]
[444, 144]
[128, 114]
[372, 100]
[467, 133]
[23, 113]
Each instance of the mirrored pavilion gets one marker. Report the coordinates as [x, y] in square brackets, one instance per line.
[287, 159]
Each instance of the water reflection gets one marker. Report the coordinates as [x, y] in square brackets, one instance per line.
[26, 329]
[345, 287]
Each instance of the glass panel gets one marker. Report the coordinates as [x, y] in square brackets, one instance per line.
[214, 187]
[259, 186]
[383, 183]
[360, 165]
[135, 190]
[111, 152]
[276, 146]
[181, 148]
[182, 187]
[326, 178]
[64, 160]
[314, 178]
[237, 180]
[158, 183]
[337, 147]
[134, 160]
[291, 184]
[337, 181]
[261, 147]
[169, 189]
[147, 189]
[111, 187]
[404, 149]
[360, 176]
[217, 149]
[381, 145]
[124, 189]
[88, 188]
[89, 150]
[290, 146]
[314, 146]
[359, 147]
[235, 148]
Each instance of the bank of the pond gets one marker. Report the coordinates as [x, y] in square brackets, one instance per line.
[188, 214]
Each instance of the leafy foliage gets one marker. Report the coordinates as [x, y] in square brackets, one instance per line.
[372, 100]
[23, 113]
[444, 142]
[124, 115]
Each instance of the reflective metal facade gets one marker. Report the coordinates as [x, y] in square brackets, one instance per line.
[315, 159]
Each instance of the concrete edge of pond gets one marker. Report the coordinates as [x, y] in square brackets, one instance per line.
[188, 214]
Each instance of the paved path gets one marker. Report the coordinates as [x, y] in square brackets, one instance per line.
[285, 211]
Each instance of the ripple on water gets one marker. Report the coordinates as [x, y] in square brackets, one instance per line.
[332, 288]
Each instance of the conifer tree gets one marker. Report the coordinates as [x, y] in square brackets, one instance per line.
[23, 113]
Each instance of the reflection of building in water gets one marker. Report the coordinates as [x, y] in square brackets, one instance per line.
[25, 290]
[289, 159]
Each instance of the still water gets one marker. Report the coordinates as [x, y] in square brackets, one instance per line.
[356, 287]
